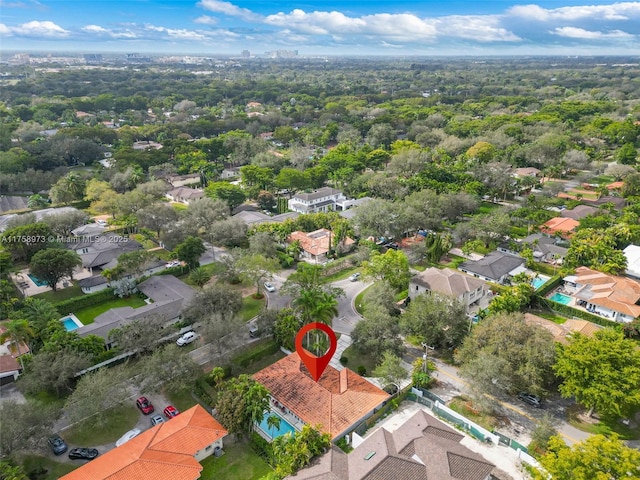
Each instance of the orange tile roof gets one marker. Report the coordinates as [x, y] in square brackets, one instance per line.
[165, 451]
[620, 294]
[559, 224]
[615, 185]
[337, 401]
[317, 242]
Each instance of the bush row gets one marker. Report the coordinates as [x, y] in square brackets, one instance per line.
[568, 311]
[84, 301]
[257, 353]
[550, 285]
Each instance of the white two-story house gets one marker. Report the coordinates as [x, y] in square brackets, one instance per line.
[325, 199]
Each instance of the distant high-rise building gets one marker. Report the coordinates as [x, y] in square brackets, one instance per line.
[246, 54]
[93, 58]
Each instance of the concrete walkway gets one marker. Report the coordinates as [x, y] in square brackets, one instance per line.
[343, 343]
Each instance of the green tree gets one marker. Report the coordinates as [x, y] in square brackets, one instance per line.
[200, 276]
[19, 332]
[241, 403]
[596, 458]
[438, 320]
[256, 268]
[139, 336]
[232, 194]
[512, 299]
[391, 370]
[602, 372]
[190, 252]
[595, 248]
[25, 240]
[421, 373]
[286, 328]
[482, 151]
[53, 264]
[627, 154]
[158, 217]
[168, 367]
[25, 427]
[9, 471]
[505, 354]
[39, 312]
[392, 266]
[376, 334]
[273, 423]
[292, 180]
[293, 452]
[53, 371]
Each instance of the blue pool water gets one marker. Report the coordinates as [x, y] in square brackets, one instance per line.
[273, 432]
[538, 282]
[560, 298]
[36, 280]
[69, 324]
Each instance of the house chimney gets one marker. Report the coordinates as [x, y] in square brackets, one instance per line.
[343, 380]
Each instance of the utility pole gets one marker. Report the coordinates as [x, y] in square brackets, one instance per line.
[425, 355]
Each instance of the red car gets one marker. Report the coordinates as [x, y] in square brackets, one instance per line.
[171, 412]
[144, 405]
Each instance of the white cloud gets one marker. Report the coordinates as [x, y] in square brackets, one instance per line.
[38, 29]
[485, 28]
[94, 29]
[580, 33]
[206, 20]
[615, 11]
[98, 30]
[4, 30]
[228, 8]
[182, 34]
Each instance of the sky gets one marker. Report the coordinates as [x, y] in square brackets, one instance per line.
[371, 27]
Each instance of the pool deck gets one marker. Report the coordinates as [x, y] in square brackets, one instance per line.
[74, 319]
[29, 288]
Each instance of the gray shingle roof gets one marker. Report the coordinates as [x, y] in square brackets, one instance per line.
[494, 266]
[321, 192]
[447, 281]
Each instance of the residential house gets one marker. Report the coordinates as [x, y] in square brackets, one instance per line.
[315, 245]
[183, 180]
[255, 218]
[170, 450]
[9, 369]
[632, 254]
[617, 202]
[526, 172]
[559, 226]
[338, 401]
[98, 282]
[168, 295]
[351, 207]
[90, 229]
[546, 249]
[468, 290]
[562, 332]
[610, 296]
[144, 144]
[184, 195]
[579, 212]
[325, 199]
[97, 251]
[615, 187]
[230, 172]
[422, 447]
[495, 267]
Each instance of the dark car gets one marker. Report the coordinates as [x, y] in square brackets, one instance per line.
[83, 453]
[144, 405]
[57, 444]
[530, 399]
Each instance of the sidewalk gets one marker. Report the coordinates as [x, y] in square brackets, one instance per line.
[343, 343]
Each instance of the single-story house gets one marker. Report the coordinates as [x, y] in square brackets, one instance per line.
[325, 199]
[466, 289]
[96, 251]
[561, 226]
[184, 195]
[526, 172]
[338, 401]
[546, 249]
[254, 217]
[495, 267]
[169, 296]
[170, 450]
[315, 245]
[88, 229]
[632, 254]
[617, 202]
[562, 332]
[610, 296]
[579, 212]
[98, 282]
[9, 369]
[230, 172]
[183, 180]
[422, 447]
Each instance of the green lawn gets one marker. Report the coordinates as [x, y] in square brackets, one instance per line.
[182, 400]
[54, 470]
[87, 315]
[465, 407]
[358, 302]
[356, 359]
[605, 426]
[251, 307]
[119, 420]
[239, 462]
[61, 295]
[341, 275]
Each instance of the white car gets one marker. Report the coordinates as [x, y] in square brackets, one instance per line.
[128, 436]
[186, 339]
[102, 223]
[269, 287]
[174, 263]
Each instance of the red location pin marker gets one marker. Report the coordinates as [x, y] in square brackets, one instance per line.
[316, 365]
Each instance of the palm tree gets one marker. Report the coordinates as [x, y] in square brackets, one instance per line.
[19, 331]
[38, 313]
[316, 305]
[273, 421]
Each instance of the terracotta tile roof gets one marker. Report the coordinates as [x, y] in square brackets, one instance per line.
[165, 451]
[8, 364]
[317, 242]
[559, 224]
[289, 382]
[609, 291]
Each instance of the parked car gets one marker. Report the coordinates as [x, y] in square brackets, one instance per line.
[171, 412]
[174, 263]
[102, 223]
[144, 405]
[530, 399]
[83, 453]
[254, 331]
[157, 420]
[186, 339]
[57, 444]
[269, 287]
[354, 277]
[128, 436]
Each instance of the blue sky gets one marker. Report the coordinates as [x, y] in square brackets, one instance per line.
[210, 27]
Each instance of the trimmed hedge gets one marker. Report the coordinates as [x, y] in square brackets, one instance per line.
[247, 358]
[574, 312]
[88, 300]
[552, 283]
[176, 271]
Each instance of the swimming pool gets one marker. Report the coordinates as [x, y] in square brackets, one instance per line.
[37, 281]
[560, 298]
[272, 432]
[71, 323]
[539, 281]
